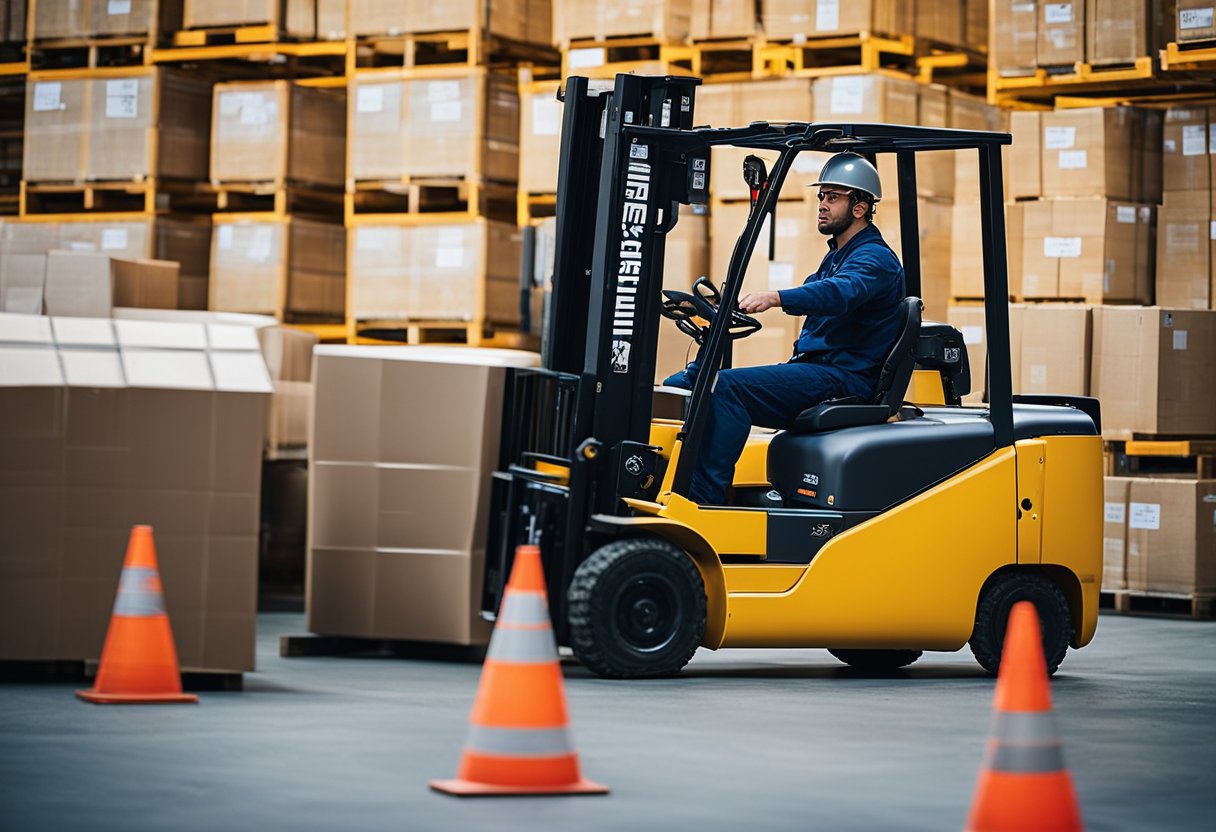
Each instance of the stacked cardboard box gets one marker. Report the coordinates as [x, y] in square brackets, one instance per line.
[110, 423]
[1186, 229]
[297, 19]
[1031, 34]
[522, 20]
[398, 508]
[591, 20]
[800, 19]
[288, 355]
[1195, 21]
[723, 19]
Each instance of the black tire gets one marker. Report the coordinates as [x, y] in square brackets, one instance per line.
[637, 608]
[997, 598]
[876, 659]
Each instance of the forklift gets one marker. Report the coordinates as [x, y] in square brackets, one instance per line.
[874, 528]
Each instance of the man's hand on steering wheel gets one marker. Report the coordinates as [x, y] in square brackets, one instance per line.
[754, 302]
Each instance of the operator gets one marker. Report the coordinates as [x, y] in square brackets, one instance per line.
[851, 306]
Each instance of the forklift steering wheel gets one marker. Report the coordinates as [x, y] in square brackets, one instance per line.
[709, 301]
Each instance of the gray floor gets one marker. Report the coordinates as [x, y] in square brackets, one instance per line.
[766, 739]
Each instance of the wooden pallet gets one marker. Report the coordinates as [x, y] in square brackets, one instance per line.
[91, 53]
[470, 47]
[604, 58]
[1081, 78]
[1182, 457]
[1133, 602]
[278, 198]
[841, 54]
[1194, 56]
[351, 646]
[437, 199]
[726, 59]
[535, 206]
[146, 196]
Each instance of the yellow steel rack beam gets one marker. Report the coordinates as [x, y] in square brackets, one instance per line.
[1173, 58]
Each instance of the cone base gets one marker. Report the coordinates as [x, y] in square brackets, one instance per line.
[469, 788]
[134, 698]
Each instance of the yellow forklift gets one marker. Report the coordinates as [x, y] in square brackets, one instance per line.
[876, 529]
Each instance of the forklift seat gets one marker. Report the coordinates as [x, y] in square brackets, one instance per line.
[888, 397]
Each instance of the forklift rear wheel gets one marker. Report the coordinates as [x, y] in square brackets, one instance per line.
[877, 659]
[637, 608]
[1002, 591]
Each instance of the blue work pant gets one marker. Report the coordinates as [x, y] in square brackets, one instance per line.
[769, 396]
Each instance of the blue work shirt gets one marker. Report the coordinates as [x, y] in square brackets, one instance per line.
[851, 305]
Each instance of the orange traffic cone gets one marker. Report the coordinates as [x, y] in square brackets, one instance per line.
[519, 741]
[138, 661]
[1023, 783]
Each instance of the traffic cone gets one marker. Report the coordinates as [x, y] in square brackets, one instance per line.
[1023, 783]
[138, 661]
[519, 740]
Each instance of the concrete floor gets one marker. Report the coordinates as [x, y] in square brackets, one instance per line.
[766, 739]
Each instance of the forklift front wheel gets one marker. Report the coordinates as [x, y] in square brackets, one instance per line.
[1000, 593]
[637, 608]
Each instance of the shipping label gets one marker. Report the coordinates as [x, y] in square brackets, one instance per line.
[827, 15]
[1073, 159]
[1144, 516]
[113, 239]
[47, 96]
[1061, 246]
[1195, 18]
[1125, 213]
[546, 115]
[370, 99]
[122, 98]
[848, 95]
[1055, 13]
[116, 7]
[1180, 339]
[1194, 140]
[1115, 513]
[1059, 138]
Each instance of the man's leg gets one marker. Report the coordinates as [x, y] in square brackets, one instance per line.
[770, 396]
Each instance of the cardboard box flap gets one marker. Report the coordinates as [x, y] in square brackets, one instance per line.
[25, 329]
[232, 337]
[90, 332]
[240, 372]
[29, 366]
[92, 368]
[161, 335]
[476, 356]
[172, 369]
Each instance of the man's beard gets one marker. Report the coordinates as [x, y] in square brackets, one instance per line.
[834, 227]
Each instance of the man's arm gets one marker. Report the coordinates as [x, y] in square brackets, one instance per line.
[865, 275]
[754, 302]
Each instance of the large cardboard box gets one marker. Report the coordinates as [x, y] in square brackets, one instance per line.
[1025, 178]
[970, 112]
[1171, 536]
[970, 321]
[1196, 20]
[462, 271]
[110, 423]
[399, 491]
[800, 19]
[1152, 370]
[943, 22]
[1186, 244]
[1102, 151]
[1014, 37]
[133, 17]
[1061, 33]
[665, 20]
[61, 20]
[275, 131]
[145, 284]
[540, 136]
[1055, 349]
[289, 267]
[1186, 149]
[78, 284]
[507, 18]
[288, 355]
[723, 19]
[872, 97]
[457, 123]
[1116, 31]
[211, 13]
[1114, 532]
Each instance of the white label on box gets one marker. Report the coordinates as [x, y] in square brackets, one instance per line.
[1125, 213]
[1061, 246]
[1195, 18]
[1212, 230]
[1073, 159]
[118, 7]
[1194, 140]
[370, 99]
[224, 238]
[1038, 374]
[848, 94]
[973, 335]
[46, 96]
[1115, 512]
[113, 239]
[1146, 214]
[1059, 138]
[780, 276]
[1179, 339]
[122, 98]
[449, 258]
[827, 15]
[255, 112]
[81, 245]
[1057, 13]
[261, 244]
[1169, 146]
[443, 91]
[1022, 8]
[579, 58]
[445, 111]
[1144, 516]
[546, 115]
[1212, 137]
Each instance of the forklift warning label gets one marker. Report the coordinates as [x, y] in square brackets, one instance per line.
[629, 266]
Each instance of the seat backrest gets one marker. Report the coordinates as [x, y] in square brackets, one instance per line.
[897, 369]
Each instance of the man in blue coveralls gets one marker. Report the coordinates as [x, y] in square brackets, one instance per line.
[851, 306]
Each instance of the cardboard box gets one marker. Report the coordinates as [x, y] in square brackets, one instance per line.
[970, 112]
[1114, 533]
[1088, 152]
[56, 126]
[60, 20]
[1196, 20]
[797, 252]
[1055, 349]
[1116, 31]
[275, 131]
[540, 137]
[134, 17]
[800, 19]
[22, 283]
[78, 284]
[462, 271]
[944, 22]
[1171, 536]
[507, 18]
[723, 19]
[969, 320]
[1152, 370]
[107, 424]
[872, 97]
[1025, 177]
[460, 123]
[399, 494]
[1015, 36]
[146, 284]
[935, 169]
[1061, 33]
[1185, 238]
[669, 21]
[686, 256]
[1186, 149]
[198, 14]
[976, 28]
[287, 267]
